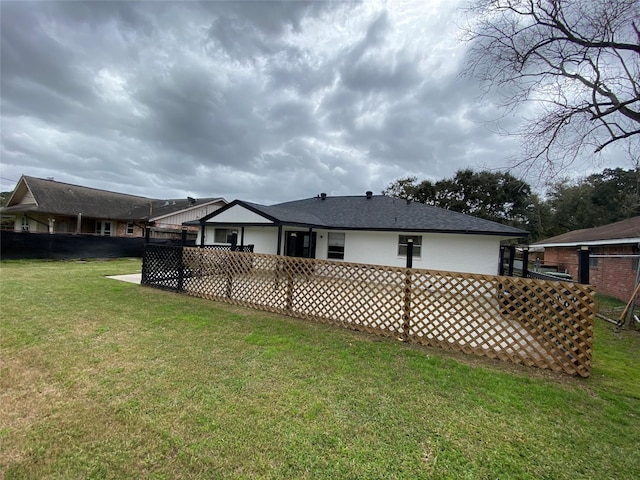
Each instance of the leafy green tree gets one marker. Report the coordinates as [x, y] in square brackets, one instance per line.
[4, 198]
[596, 200]
[404, 188]
[495, 196]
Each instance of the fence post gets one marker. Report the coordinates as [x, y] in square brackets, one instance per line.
[147, 234]
[512, 255]
[410, 253]
[145, 265]
[406, 305]
[184, 236]
[229, 272]
[289, 303]
[180, 269]
[525, 262]
[583, 264]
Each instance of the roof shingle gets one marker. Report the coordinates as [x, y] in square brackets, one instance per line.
[380, 212]
[628, 229]
[58, 198]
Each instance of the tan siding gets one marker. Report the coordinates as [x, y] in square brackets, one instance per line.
[27, 199]
[179, 218]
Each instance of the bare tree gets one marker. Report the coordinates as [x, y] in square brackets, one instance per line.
[578, 60]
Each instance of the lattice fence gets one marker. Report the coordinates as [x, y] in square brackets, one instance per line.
[524, 321]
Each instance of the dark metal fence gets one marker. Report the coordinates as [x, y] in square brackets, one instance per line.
[163, 265]
[66, 246]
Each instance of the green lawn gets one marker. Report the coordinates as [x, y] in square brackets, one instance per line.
[103, 379]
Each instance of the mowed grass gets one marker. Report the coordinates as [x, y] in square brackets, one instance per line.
[103, 379]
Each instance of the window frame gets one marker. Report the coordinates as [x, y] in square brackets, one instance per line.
[337, 252]
[229, 231]
[403, 240]
[102, 230]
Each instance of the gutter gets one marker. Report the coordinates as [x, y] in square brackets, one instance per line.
[613, 241]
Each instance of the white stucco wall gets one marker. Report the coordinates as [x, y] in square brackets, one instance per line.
[456, 253]
[264, 240]
[239, 214]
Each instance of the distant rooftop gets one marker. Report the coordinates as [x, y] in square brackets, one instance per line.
[625, 231]
[59, 198]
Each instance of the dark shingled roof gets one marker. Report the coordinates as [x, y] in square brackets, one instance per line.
[379, 212]
[626, 229]
[60, 198]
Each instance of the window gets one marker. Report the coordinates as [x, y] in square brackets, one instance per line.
[103, 228]
[417, 245]
[335, 249]
[130, 228]
[25, 223]
[223, 235]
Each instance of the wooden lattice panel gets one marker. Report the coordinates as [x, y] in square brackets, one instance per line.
[531, 322]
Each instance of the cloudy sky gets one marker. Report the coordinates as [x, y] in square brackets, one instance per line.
[261, 101]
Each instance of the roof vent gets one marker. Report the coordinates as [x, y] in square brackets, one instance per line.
[191, 200]
[409, 200]
[369, 194]
[323, 196]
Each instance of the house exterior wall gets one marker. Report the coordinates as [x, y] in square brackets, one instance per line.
[264, 240]
[611, 276]
[121, 230]
[36, 222]
[176, 220]
[239, 214]
[450, 252]
[39, 223]
[27, 199]
[456, 253]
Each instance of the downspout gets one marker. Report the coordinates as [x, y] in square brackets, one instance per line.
[79, 223]
[202, 234]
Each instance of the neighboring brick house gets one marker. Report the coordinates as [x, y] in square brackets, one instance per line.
[45, 206]
[614, 250]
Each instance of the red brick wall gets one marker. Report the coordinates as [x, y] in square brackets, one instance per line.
[615, 277]
[121, 230]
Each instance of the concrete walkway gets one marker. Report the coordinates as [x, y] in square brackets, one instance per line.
[130, 278]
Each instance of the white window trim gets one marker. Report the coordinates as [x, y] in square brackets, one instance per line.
[417, 252]
[329, 245]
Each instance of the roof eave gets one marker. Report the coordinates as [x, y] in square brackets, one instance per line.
[193, 207]
[277, 223]
[587, 243]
